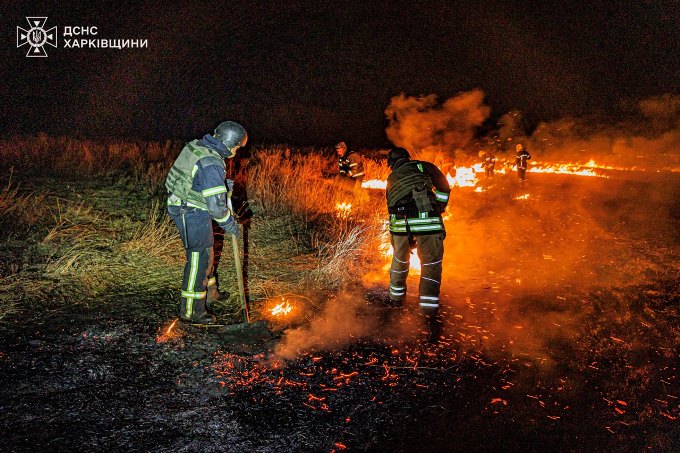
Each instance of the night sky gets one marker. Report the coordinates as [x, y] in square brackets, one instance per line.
[315, 72]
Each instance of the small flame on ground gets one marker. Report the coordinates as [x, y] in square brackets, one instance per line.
[167, 332]
[522, 197]
[282, 309]
[343, 209]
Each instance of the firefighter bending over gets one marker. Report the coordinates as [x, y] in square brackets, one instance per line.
[198, 192]
[521, 161]
[417, 195]
[350, 165]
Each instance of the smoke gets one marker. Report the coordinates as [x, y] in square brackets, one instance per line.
[342, 321]
[648, 140]
[417, 123]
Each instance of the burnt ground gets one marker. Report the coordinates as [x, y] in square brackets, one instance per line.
[561, 334]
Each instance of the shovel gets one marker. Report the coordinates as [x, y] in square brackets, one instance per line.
[239, 271]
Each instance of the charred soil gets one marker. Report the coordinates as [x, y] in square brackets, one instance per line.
[561, 332]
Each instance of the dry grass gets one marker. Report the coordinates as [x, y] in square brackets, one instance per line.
[92, 254]
[285, 183]
[157, 237]
[101, 255]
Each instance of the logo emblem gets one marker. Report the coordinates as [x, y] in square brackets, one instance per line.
[36, 37]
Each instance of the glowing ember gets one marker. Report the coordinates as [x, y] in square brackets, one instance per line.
[374, 184]
[522, 197]
[282, 309]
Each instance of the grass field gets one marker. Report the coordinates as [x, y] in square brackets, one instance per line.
[560, 302]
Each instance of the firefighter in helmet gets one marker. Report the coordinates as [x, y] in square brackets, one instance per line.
[417, 195]
[350, 165]
[488, 162]
[198, 193]
[521, 160]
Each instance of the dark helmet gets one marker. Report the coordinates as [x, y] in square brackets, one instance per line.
[232, 134]
[395, 155]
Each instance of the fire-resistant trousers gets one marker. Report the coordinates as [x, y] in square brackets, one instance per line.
[431, 253]
[195, 229]
[521, 173]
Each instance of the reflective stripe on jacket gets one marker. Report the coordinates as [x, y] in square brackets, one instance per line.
[197, 178]
[405, 216]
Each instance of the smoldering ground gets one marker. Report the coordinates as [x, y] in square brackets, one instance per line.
[522, 260]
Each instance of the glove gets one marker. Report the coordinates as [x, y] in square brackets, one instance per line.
[230, 184]
[231, 227]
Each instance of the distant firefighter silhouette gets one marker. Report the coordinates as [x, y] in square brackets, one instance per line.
[521, 161]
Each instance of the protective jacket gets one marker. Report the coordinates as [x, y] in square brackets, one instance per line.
[197, 179]
[489, 160]
[350, 165]
[522, 157]
[417, 195]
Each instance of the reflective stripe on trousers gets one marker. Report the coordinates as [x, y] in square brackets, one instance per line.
[199, 258]
[431, 252]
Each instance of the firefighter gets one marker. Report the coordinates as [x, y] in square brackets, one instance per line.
[198, 193]
[417, 195]
[350, 165]
[521, 161]
[488, 162]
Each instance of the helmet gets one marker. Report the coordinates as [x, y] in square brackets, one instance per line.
[481, 153]
[232, 134]
[519, 147]
[395, 155]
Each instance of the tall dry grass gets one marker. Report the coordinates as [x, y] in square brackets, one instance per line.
[93, 253]
[301, 185]
[146, 163]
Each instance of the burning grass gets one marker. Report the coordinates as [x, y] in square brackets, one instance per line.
[560, 306]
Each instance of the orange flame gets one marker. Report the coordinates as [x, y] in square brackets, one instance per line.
[374, 184]
[343, 209]
[414, 262]
[465, 177]
[564, 169]
[282, 309]
[167, 332]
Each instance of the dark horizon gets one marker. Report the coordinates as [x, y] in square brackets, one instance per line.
[308, 74]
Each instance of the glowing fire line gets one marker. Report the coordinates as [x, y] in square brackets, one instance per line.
[467, 176]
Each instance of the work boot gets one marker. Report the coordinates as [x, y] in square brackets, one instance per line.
[215, 294]
[391, 303]
[434, 328]
[205, 318]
